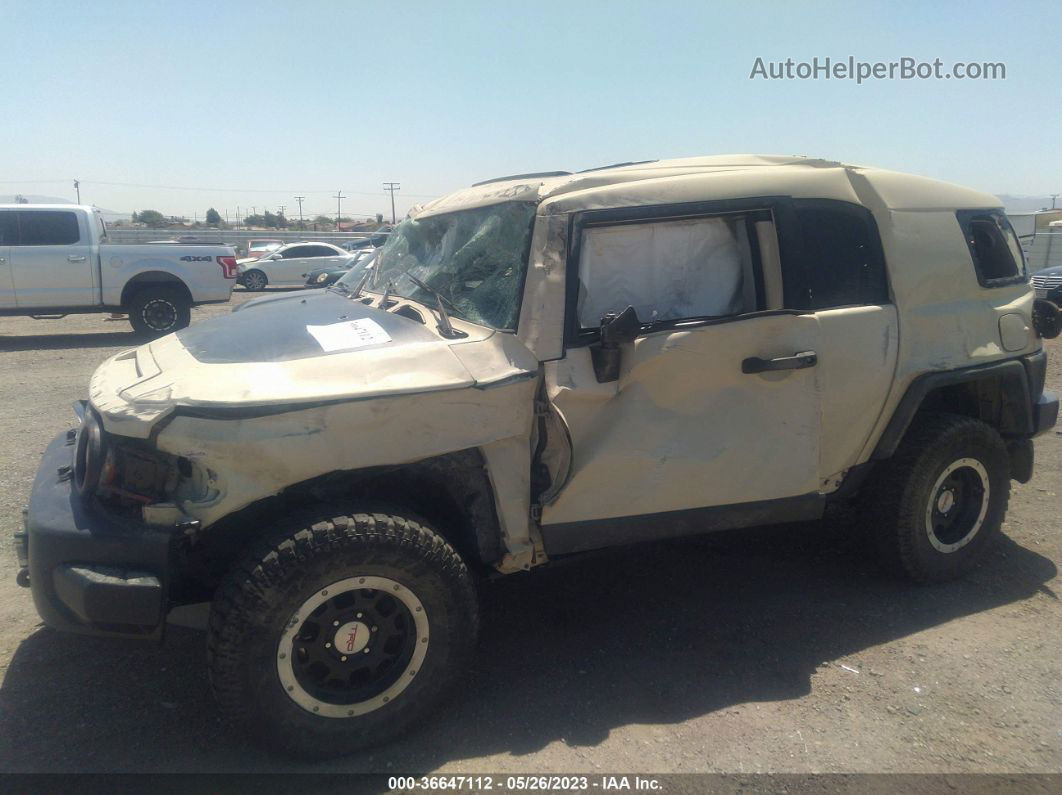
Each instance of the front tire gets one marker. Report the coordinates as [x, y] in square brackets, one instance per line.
[255, 280]
[154, 311]
[340, 632]
[936, 505]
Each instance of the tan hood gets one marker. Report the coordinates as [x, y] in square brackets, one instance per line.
[304, 349]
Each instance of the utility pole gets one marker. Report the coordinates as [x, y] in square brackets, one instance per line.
[77, 187]
[392, 187]
[237, 216]
[299, 200]
[339, 204]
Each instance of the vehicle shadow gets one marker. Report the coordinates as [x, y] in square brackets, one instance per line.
[55, 342]
[650, 635]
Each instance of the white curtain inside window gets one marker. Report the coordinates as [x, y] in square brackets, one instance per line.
[666, 270]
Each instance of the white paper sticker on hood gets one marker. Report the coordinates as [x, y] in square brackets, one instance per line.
[349, 334]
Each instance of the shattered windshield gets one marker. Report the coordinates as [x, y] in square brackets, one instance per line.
[475, 259]
[359, 264]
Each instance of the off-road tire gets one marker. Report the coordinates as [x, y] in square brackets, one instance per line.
[896, 503]
[154, 311]
[258, 278]
[255, 603]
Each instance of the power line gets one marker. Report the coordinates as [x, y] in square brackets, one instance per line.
[196, 188]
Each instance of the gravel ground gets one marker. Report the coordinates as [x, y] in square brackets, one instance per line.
[775, 650]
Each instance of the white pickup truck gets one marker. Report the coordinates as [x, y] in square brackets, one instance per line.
[55, 260]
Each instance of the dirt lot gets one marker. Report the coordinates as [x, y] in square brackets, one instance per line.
[776, 650]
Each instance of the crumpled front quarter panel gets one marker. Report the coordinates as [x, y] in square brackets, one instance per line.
[252, 458]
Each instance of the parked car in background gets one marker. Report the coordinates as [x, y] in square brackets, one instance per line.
[322, 277]
[1048, 284]
[259, 248]
[288, 265]
[375, 240]
[56, 260]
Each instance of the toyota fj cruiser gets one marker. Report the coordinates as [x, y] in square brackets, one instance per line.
[537, 366]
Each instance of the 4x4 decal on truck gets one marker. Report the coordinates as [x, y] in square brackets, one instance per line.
[190, 258]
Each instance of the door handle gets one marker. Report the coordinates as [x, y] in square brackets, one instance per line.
[798, 361]
[76, 258]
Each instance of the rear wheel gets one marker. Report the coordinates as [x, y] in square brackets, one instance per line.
[935, 506]
[254, 280]
[154, 311]
[340, 632]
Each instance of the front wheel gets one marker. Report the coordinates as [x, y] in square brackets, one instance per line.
[154, 311]
[936, 505]
[340, 632]
[254, 280]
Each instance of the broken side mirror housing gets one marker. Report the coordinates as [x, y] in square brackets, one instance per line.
[615, 330]
[1047, 319]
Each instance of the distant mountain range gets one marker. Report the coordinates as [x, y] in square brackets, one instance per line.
[32, 198]
[1025, 204]
[1014, 204]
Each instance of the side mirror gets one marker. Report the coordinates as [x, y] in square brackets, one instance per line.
[615, 330]
[1047, 319]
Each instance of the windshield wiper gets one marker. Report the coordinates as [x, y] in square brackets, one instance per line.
[356, 292]
[339, 287]
[446, 328]
[386, 293]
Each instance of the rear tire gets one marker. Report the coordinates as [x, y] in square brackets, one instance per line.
[936, 505]
[340, 631]
[154, 311]
[255, 280]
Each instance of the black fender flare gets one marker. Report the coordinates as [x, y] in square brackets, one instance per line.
[1016, 411]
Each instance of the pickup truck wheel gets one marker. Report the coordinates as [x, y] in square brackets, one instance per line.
[155, 311]
[936, 505]
[254, 280]
[340, 632]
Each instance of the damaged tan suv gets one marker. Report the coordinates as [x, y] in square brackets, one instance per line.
[542, 365]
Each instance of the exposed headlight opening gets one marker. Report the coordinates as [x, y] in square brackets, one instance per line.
[90, 452]
[135, 475]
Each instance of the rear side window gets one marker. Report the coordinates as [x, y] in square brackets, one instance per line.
[320, 251]
[297, 252]
[47, 228]
[994, 247]
[835, 258]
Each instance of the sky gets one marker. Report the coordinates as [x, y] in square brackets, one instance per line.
[181, 106]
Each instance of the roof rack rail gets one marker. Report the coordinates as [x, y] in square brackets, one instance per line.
[523, 176]
[618, 165]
